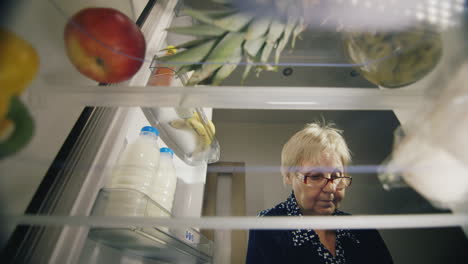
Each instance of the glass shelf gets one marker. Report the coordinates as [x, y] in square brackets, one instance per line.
[176, 245]
[319, 61]
[235, 97]
[380, 221]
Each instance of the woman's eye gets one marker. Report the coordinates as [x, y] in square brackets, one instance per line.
[336, 174]
[315, 177]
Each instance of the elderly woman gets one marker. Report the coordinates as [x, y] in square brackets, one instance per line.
[313, 163]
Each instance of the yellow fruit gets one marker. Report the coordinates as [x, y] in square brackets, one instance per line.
[211, 126]
[4, 106]
[19, 63]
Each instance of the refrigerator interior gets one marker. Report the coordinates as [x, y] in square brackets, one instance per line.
[162, 244]
[85, 127]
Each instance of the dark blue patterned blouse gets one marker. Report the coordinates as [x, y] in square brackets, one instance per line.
[303, 245]
[308, 236]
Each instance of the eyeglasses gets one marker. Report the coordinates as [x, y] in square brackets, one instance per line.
[318, 179]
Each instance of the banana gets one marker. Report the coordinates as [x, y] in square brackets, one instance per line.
[195, 123]
[198, 117]
[179, 124]
[211, 126]
[184, 112]
[203, 136]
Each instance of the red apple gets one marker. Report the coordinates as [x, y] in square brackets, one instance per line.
[104, 44]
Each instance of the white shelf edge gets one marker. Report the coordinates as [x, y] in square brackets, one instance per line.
[234, 97]
[227, 223]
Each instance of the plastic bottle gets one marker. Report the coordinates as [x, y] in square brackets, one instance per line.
[164, 184]
[135, 170]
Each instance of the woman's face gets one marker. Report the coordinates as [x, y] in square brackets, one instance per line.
[318, 200]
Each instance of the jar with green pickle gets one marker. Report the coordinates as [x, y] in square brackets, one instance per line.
[394, 59]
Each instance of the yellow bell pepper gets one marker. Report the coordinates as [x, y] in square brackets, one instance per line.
[19, 64]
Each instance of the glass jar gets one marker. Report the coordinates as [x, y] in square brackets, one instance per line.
[394, 59]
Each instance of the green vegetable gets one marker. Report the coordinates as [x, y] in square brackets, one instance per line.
[23, 128]
[238, 35]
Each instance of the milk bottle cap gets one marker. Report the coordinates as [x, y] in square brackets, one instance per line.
[150, 129]
[167, 150]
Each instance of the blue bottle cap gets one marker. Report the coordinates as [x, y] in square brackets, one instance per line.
[167, 150]
[150, 129]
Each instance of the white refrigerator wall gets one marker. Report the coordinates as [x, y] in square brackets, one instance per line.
[368, 134]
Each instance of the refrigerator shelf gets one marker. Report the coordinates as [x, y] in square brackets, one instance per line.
[166, 244]
[235, 97]
[319, 61]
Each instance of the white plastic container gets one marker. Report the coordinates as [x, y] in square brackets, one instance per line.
[164, 184]
[136, 170]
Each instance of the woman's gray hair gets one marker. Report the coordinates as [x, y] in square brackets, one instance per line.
[310, 144]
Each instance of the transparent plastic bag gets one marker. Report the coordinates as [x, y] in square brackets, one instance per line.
[433, 156]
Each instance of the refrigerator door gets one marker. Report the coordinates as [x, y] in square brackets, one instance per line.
[85, 161]
[65, 160]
